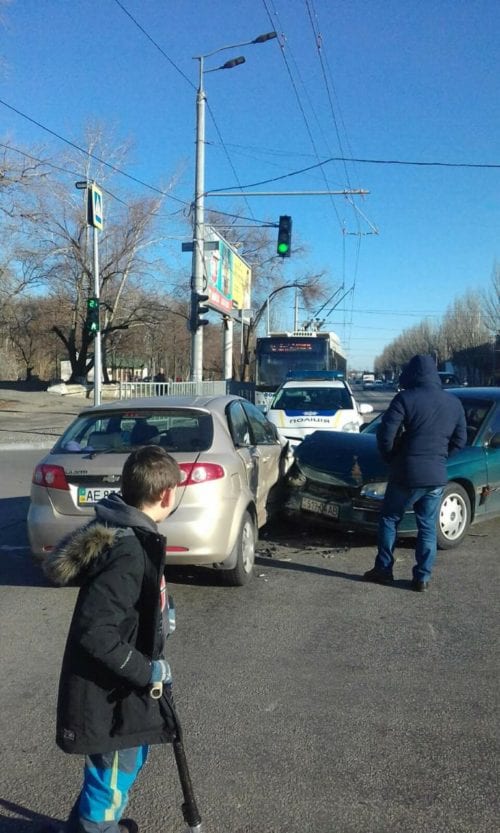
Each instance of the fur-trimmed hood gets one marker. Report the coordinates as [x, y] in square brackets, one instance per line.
[77, 554]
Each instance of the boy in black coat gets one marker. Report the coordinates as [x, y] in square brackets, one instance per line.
[422, 426]
[114, 650]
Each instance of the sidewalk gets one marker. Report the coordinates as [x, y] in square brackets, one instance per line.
[35, 419]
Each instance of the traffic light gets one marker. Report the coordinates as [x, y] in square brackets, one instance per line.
[197, 310]
[92, 322]
[284, 236]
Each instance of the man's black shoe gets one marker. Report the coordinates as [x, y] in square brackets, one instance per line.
[378, 577]
[128, 826]
[419, 586]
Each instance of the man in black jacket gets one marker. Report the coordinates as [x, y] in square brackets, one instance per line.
[422, 426]
[114, 650]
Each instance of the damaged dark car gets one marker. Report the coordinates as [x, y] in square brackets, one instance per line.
[340, 479]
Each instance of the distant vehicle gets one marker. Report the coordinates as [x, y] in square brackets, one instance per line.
[279, 354]
[379, 384]
[449, 380]
[232, 462]
[341, 480]
[318, 400]
[368, 381]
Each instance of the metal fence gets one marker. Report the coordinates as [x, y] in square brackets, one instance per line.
[129, 390]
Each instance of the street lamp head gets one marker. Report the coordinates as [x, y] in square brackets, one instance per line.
[81, 185]
[234, 62]
[266, 37]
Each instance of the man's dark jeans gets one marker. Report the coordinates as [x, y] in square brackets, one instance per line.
[397, 500]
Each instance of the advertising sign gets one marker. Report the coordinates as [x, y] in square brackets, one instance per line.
[228, 276]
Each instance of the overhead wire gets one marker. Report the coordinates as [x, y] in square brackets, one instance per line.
[92, 155]
[158, 47]
[318, 41]
[298, 99]
[59, 168]
[186, 78]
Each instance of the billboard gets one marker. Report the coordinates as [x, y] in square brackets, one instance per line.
[228, 276]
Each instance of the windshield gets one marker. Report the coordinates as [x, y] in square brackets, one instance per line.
[312, 399]
[276, 357]
[174, 429]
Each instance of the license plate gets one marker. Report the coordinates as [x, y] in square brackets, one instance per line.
[320, 507]
[89, 497]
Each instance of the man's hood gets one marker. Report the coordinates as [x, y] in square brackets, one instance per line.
[420, 371]
[78, 553]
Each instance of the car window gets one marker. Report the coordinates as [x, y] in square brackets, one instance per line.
[238, 424]
[494, 426]
[263, 432]
[174, 429]
[476, 411]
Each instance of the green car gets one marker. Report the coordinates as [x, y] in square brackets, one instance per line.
[340, 479]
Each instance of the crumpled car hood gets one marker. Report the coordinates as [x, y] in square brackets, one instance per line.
[342, 458]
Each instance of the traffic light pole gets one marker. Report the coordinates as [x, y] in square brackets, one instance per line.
[97, 338]
[197, 287]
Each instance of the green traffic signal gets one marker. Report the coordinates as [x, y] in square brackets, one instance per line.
[92, 324]
[284, 236]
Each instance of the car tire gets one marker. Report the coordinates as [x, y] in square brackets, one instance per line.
[244, 549]
[454, 517]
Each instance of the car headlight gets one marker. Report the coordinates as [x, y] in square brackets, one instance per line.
[375, 491]
[295, 478]
[353, 427]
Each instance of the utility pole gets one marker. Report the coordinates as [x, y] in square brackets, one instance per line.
[198, 285]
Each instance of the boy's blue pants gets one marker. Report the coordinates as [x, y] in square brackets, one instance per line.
[108, 779]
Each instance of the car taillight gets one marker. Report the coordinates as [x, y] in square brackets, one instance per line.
[192, 473]
[53, 477]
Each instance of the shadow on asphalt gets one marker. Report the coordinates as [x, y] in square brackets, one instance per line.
[20, 570]
[17, 567]
[29, 821]
[278, 564]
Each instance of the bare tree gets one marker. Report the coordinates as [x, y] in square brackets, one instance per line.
[491, 303]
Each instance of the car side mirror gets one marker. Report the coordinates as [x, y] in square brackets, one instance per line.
[365, 408]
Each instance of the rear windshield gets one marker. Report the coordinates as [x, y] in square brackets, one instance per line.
[174, 430]
[312, 399]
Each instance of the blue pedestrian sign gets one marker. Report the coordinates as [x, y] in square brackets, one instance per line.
[95, 207]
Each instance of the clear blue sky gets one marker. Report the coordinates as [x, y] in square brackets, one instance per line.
[407, 80]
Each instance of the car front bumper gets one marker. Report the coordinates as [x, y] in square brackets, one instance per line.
[342, 513]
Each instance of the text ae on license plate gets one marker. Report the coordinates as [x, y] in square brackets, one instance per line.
[321, 507]
[89, 497]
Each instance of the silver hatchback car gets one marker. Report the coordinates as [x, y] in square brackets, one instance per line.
[231, 458]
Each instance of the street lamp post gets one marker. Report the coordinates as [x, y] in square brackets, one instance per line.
[198, 284]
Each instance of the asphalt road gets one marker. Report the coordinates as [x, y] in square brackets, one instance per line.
[311, 701]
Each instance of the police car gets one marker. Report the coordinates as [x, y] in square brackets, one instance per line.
[315, 401]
